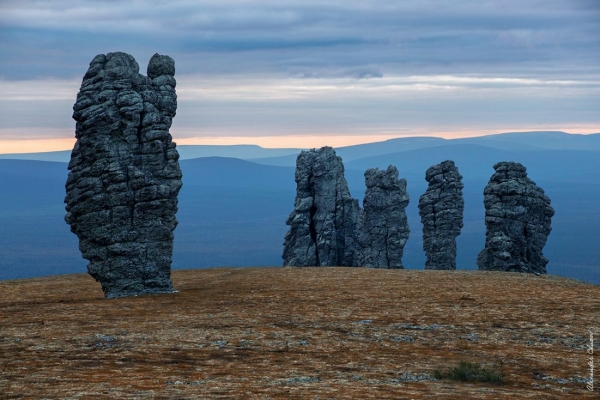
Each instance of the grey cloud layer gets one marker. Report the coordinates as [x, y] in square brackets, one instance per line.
[315, 67]
[308, 38]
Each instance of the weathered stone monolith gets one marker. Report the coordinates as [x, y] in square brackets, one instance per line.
[441, 208]
[323, 224]
[517, 220]
[383, 225]
[124, 174]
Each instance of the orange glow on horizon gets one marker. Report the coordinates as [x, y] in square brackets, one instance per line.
[291, 141]
[15, 146]
[316, 141]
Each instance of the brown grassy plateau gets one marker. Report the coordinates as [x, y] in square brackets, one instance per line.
[283, 333]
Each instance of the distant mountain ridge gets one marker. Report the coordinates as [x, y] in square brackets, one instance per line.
[287, 156]
[520, 141]
[232, 212]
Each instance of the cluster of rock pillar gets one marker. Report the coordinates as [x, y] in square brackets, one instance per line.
[121, 195]
[328, 228]
[121, 192]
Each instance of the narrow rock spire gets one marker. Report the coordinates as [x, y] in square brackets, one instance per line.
[383, 226]
[441, 208]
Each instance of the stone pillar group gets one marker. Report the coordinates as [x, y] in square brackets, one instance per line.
[327, 227]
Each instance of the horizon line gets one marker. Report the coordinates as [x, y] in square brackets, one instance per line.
[39, 145]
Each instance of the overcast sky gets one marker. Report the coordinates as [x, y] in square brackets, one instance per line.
[306, 73]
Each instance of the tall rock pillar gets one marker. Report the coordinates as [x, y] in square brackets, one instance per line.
[124, 174]
[325, 217]
[441, 208]
[383, 225]
[517, 221]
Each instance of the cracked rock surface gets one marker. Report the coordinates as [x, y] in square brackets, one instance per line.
[124, 174]
[384, 226]
[441, 209]
[324, 220]
[517, 220]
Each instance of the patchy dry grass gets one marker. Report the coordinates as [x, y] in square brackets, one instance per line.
[283, 333]
[470, 372]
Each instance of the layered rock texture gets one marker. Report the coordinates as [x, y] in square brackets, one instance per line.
[441, 208]
[124, 174]
[324, 220]
[517, 220]
[383, 227]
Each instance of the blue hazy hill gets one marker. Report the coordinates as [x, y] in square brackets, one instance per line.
[287, 157]
[538, 140]
[186, 152]
[233, 172]
[476, 162]
[35, 240]
[516, 142]
[232, 212]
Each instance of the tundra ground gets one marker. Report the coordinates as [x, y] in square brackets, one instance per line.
[295, 333]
